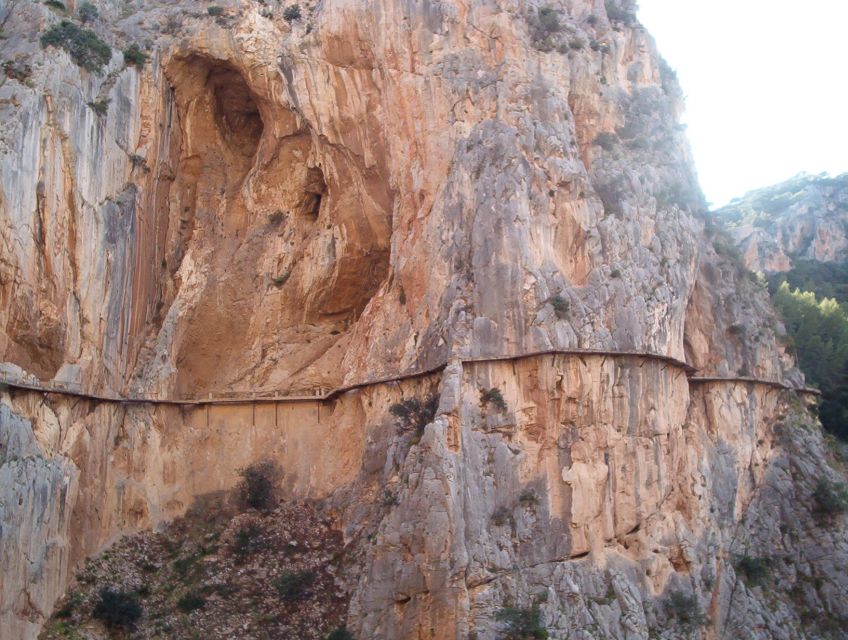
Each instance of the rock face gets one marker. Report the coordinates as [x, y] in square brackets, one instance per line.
[399, 194]
[805, 218]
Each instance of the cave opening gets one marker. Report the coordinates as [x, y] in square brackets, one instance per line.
[270, 305]
[314, 191]
[235, 111]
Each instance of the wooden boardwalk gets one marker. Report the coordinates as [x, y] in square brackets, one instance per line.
[326, 395]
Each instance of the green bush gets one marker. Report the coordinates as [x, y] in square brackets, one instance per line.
[736, 329]
[522, 624]
[831, 498]
[134, 56]
[138, 161]
[187, 567]
[620, 11]
[87, 12]
[413, 415]
[70, 605]
[292, 13]
[754, 571]
[549, 20]
[117, 609]
[560, 306]
[502, 516]
[686, 610]
[606, 140]
[494, 397]
[246, 541]
[528, 498]
[100, 107]
[281, 279]
[190, 602]
[55, 4]
[258, 486]
[83, 45]
[215, 11]
[276, 217]
[340, 633]
[294, 585]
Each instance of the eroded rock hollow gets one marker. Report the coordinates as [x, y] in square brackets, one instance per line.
[278, 229]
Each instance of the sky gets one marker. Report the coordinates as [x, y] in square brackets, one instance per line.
[766, 85]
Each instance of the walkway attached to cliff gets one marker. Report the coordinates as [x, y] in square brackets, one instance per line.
[326, 395]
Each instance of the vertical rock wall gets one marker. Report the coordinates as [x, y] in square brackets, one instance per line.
[374, 189]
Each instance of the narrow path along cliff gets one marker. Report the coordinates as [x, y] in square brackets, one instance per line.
[447, 267]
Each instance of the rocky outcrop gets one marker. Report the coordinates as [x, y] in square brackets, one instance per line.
[390, 193]
[803, 218]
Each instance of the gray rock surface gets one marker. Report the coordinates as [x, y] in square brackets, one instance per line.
[376, 188]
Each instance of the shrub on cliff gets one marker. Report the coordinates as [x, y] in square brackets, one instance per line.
[87, 12]
[685, 608]
[522, 624]
[83, 45]
[258, 486]
[544, 24]
[292, 13]
[621, 10]
[549, 20]
[58, 7]
[754, 571]
[560, 306]
[493, 397]
[117, 609]
[413, 415]
[100, 107]
[134, 56]
[831, 499]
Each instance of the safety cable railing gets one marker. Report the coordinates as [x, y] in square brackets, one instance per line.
[323, 394]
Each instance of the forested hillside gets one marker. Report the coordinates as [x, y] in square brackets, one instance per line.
[818, 327]
[796, 234]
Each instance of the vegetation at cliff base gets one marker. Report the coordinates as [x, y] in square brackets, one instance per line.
[83, 45]
[293, 585]
[117, 609]
[819, 330]
[223, 570]
[825, 279]
[257, 489]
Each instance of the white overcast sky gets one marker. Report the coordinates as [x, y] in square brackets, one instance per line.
[766, 84]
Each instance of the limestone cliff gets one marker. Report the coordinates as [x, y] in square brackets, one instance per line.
[805, 218]
[280, 227]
